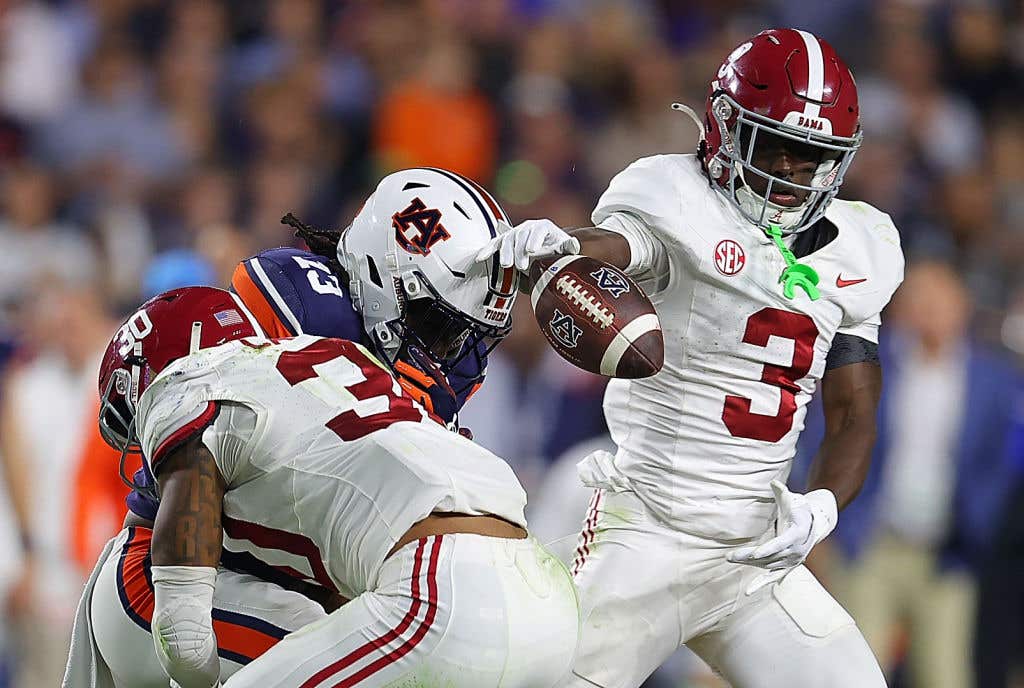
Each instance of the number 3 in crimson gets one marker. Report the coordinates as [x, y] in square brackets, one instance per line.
[297, 366]
[766, 323]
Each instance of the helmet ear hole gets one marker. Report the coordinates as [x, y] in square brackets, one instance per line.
[374, 273]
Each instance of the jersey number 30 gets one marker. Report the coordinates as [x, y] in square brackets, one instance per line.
[766, 323]
[297, 366]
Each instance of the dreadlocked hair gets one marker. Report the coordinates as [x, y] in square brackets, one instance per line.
[322, 242]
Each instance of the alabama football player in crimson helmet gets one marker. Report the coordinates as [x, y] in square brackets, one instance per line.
[305, 457]
[766, 286]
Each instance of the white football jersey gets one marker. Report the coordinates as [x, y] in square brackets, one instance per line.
[327, 461]
[701, 440]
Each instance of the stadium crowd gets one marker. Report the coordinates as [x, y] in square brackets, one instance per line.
[150, 143]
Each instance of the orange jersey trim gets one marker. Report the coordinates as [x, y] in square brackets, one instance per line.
[257, 303]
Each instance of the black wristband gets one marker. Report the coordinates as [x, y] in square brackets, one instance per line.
[848, 348]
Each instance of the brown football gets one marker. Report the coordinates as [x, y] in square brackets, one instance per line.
[596, 317]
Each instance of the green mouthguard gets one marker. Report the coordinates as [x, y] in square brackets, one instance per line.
[796, 274]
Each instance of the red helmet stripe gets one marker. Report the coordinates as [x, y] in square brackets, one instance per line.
[499, 216]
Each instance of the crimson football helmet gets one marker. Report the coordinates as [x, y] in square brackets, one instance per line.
[165, 328]
[792, 84]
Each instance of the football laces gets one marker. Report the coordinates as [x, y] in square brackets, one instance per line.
[585, 301]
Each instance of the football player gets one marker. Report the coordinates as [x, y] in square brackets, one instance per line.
[437, 351]
[306, 454]
[765, 286]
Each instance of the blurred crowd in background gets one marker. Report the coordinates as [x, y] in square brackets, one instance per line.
[149, 143]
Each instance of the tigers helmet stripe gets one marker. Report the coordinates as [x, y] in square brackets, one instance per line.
[482, 201]
[499, 214]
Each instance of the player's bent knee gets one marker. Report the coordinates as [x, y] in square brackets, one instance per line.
[794, 636]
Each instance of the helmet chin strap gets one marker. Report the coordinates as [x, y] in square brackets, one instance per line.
[783, 217]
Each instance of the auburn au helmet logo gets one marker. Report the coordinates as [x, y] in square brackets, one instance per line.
[418, 228]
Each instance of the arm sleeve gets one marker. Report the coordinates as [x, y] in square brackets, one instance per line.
[647, 255]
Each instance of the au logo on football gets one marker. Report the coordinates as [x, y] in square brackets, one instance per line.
[564, 329]
[611, 281]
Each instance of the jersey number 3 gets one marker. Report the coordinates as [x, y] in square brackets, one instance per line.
[297, 366]
[766, 323]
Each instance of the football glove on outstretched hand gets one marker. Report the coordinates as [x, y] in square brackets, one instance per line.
[527, 241]
[801, 522]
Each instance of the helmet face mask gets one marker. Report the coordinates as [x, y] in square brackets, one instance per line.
[741, 130]
[433, 328]
[789, 86]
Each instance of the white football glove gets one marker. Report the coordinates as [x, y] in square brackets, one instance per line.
[527, 241]
[801, 522]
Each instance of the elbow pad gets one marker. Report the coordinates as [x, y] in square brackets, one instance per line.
[183, 625]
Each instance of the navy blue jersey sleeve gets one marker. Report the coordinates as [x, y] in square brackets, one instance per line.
[294, 292]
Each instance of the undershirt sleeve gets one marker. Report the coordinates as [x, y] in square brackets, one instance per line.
[848, 348]
[646, 252]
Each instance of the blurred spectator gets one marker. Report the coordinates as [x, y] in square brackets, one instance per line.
[643, 124]
[46, 404]
[928, 509]
[34, 246]
[999, 630]
[116, 124]
[37, 68]
[909, 101]
[438, 117]
[175, 269]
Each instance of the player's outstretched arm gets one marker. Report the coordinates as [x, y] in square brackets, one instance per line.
[604, 245]
[526, 242]
[850, 398]
[186, 548]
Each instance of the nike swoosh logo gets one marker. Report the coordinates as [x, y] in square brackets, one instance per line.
[840, 282]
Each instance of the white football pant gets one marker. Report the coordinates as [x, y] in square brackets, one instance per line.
[645, 589]
[460, 611]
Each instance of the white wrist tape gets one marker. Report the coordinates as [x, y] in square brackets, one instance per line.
[182, 624]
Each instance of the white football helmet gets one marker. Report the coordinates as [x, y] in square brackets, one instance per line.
[410, 256]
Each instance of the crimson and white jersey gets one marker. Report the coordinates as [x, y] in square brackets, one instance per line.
[327, 461]
[700, 441]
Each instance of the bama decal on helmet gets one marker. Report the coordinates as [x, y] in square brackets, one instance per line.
[418, 228]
